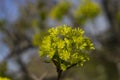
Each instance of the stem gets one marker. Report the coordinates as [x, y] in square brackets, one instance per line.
[59, 74]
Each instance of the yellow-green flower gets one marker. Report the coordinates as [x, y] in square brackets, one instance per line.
[66, 46]
[86, 10]
[65, 55]
[60, 10]
[1, 78]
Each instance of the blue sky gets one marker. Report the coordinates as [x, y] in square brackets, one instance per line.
[9, 9]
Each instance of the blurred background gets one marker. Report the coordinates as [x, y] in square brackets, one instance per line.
[23, 21]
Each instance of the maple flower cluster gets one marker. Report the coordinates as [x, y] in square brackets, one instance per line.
[66, 46]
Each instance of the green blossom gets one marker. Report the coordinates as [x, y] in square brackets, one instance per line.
[86, 10]
[1, 78]
[66, 46]
[65, 55]
[60, 10]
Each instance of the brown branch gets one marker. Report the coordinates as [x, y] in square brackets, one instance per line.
[18, 50]
[71, 66]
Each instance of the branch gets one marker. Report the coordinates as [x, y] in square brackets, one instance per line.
[41, 77]
[18, 50]
[71, 66]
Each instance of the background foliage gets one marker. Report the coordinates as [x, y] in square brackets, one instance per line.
[22, 22]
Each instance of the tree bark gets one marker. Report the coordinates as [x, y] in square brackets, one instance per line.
[59, 72]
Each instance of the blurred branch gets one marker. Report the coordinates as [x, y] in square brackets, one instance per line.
[26, 75]
[18, 51]
[20, 45]
[7, 32]
[41, 77]
[112, 41]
